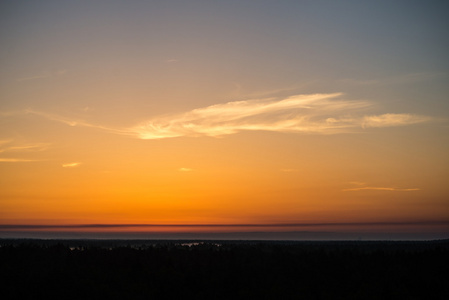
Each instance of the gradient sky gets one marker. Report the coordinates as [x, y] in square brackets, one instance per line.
[225, 112]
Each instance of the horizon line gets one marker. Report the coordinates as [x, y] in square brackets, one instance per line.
[80, 226]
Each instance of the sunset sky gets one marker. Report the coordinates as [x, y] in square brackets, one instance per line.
[269, 116]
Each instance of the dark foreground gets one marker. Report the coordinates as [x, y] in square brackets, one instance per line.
[80, 269]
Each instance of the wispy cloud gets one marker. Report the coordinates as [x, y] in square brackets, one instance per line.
[16, 160]
[8, 146]
[185, 170]
[71, 165]
[388, 120]
[380, 189]
[317, 113]
[5, 147]
[73, 121]
[70, 121]
[307, 114]
[61, 119]
[361, 186]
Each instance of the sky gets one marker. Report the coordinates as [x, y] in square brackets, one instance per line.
[264, 119]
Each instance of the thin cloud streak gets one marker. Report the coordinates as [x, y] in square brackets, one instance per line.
[316, 114]
[380, 189]
[13, 160]
[388, 120]
[71, 165]
[10, 146]
[74, 122]
[26, 148]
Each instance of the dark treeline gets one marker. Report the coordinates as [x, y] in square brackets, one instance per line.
[95, 269]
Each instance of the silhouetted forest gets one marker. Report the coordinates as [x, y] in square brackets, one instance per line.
[90, 269]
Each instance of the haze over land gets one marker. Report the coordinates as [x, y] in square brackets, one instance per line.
[317, 119]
